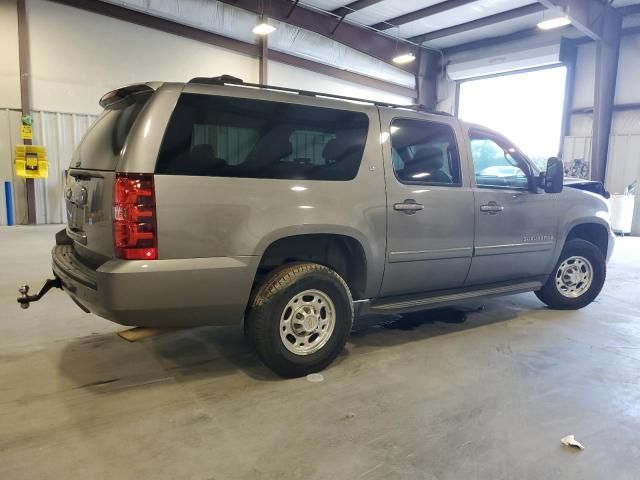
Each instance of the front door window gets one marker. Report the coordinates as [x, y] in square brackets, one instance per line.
[496, 166]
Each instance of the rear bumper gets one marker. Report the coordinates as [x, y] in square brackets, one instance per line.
[159, 293]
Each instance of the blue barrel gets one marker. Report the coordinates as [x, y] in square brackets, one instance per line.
[8, 202]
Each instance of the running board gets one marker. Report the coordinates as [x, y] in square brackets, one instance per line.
[386, 306]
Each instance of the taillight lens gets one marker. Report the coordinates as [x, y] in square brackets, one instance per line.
[134, 217]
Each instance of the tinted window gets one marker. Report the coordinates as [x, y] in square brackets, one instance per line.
[234, 137]
[496, 165]
[424, 153]
[101, 145]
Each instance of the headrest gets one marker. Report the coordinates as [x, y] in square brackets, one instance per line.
[332, 149]
[429, 159]
[275, 151]
[345, 143]
[202, 153]
[273, 146]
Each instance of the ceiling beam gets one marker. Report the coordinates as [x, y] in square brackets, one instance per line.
[359, 38]
[210, 38]
[528, 33]
[421, 14]
[354, 7]
[586, 15]
[479, 23]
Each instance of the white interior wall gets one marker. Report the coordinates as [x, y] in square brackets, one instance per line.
[9, 67]
[77, 56]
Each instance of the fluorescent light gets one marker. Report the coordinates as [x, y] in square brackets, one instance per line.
[298, 189]
[420, 175]
[554, 23]
[404, 58]
[263, 28]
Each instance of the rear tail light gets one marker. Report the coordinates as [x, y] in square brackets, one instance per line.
[134, 217]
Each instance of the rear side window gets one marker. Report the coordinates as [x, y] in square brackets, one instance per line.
[236, 137]
[100, 147]
[424, 153]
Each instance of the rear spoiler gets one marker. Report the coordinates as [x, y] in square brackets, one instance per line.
[125, 96]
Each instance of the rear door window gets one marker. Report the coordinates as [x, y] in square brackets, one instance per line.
[425, 153]
[235, 137]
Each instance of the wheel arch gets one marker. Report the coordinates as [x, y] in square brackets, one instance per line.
[342, 252]
[594, 232]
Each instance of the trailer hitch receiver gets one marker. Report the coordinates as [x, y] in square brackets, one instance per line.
[25, 299]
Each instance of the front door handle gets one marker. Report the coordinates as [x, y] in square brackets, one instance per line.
[409, 206]
[492, 208]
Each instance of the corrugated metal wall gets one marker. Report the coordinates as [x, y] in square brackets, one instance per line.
[623, 164]
[59, 133]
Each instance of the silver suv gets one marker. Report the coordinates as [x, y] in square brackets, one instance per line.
[218, 202]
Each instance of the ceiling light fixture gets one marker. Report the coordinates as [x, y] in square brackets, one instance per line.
[552, 23]
[404, 58]
[263, 27]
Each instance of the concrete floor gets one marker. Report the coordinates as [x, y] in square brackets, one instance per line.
[450, 394]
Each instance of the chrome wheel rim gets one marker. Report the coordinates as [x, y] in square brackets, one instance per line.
[307, 322]
[574, 276]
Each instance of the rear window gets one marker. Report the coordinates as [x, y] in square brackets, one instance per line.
[235, 137]
[100, 147]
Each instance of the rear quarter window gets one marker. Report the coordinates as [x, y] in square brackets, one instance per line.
[235, 137]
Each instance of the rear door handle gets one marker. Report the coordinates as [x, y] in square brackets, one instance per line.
[409, 206]
[492, 208]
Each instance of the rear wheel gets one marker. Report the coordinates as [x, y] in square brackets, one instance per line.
[577, 279]
[300, 318]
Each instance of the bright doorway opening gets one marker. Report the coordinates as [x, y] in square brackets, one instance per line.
[526, 107]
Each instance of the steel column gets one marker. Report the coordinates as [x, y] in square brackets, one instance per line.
[607, 53]
[427, 79]
[568, 56]
[263, 60]
[25, 100]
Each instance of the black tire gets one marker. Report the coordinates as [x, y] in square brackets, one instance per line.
[263, 325]
[550, 293]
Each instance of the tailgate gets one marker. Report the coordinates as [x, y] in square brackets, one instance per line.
[89, 186]
[88, 198]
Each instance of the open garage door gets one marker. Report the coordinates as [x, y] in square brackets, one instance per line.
[527, 107]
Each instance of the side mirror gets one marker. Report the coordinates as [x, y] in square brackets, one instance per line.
[554, 178]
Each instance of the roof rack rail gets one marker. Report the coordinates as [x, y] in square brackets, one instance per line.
[231, 80]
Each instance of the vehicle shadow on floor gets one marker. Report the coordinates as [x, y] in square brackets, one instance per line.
[105, 363]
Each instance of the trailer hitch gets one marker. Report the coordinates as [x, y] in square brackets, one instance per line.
[25, 299]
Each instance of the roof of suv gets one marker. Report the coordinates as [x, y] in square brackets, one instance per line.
[234, 81]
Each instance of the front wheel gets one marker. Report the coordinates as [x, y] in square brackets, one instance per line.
[300, 318]
[577, 279]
